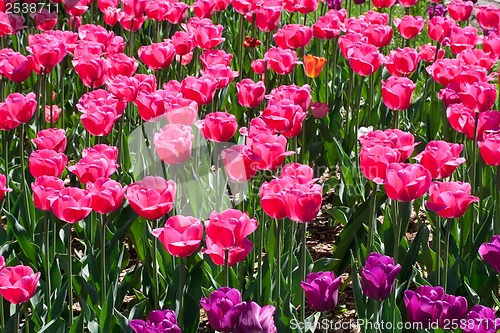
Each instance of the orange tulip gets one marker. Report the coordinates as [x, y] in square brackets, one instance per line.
[313, 65]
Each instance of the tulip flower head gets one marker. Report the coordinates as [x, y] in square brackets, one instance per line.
[181, 236]
[378, 276]
[450, 199]
[313, 65]
[18, 283]
[157, 321]
[481, 319]
[490, 252]
[322, 290]
[152, 197]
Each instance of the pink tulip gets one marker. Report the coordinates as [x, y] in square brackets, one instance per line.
[229, 228]
[107, 195]
[450, 199]
[241, 163]
[293, 36]
[21, 107]
[18, 283]
[303, 202]
[43, 188]
[406, 182]
[17, 67]
[374, 161]
[490, 148]
[173, 143]
[181, 236]
[441, 158]
[93, 166]
[403, 142]
[3, 188]
[250, 94]
[218, 126]
[46, 162]
[273, 196]
[236, 254]
[71, 204]
[157, 55]
[201, 90]
[152, 197]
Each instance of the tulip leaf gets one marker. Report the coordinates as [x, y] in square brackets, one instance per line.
[55, 325]
[30, 250]
[412, 255]
[106, 313]
[471, 292]
[324, 264]
[58, 305]
[359, 299]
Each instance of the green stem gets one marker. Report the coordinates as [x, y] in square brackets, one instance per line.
[372, 226]
[103, 258]
[449, 225]
[155, 269]
[240, 46]
[355, 134]
[475, 162]
[226, 267]
[438, 251]
[324, 322]
[348, 105]
[370, 97]
[397, 225]
[303, 271]
[131, 39]
[327, 56]
[23, 177]
[70, 275]
[26, 317]
[6, 164]
[290, 255]
[395, 118]
[497, 213]
[277, 299]
[47, 255]
[18, 317]
[259, 264]
[182, 278]
[2, 315]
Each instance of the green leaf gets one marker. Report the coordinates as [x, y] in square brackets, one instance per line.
[359, 299]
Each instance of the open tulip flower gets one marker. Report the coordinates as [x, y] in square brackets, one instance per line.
[378, 276]
[322, 290]
[406, 182]
[313, 65]
[181, 235]
[450, 199]
[229, 228]
[18, 283]
[152, 197]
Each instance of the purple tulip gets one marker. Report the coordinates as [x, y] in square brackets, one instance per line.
[490, 252]
[322, 290]
[481, 319]
[254, 319]
[334, 4]
[424, 305]
[378, 276]
[159, 321]
[454, 309]
[428, 305]
[221, 308]
[436, 10]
